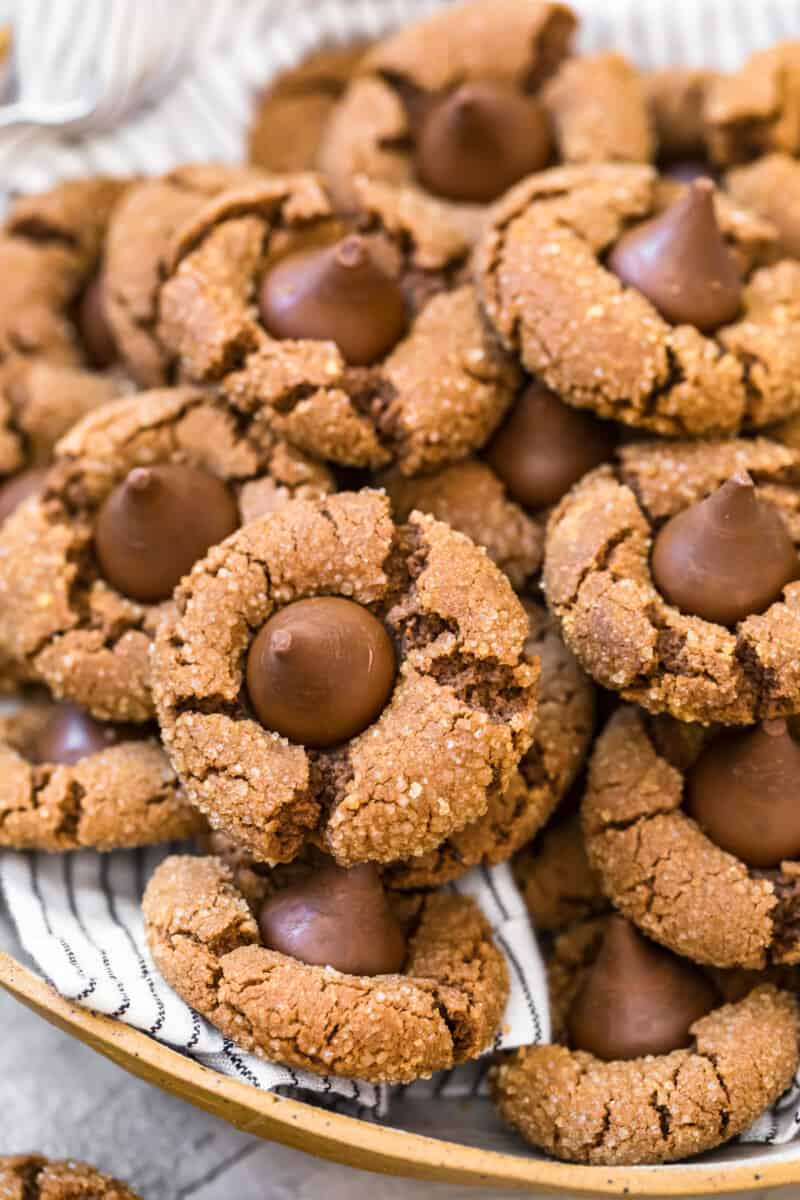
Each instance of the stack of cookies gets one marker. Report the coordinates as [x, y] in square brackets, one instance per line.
[422, 495]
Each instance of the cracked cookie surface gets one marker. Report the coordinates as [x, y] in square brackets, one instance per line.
[663, 872]
[660, 1108]
[59, 618]
[123, 796]
[600, 345]
[469, 497]
[561, 730]
[444, 747]
[444, 1008]
[33, 1177]
[433, 398]
[599, 584]
[137, 251]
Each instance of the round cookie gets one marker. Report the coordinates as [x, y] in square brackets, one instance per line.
[50, 257]
[412, 376]
[467, 101]
[445, 744]
[553, 874]
[33, 1177]
[561, 731]
[736, 1061]
[60, 615]
[291, 114]
[137, 251]
[541, 449]
[442, 1008]
[600, 585]
[546, 286]
[664, 872]
[68, 782]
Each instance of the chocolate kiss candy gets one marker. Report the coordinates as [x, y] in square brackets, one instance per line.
[744, 791]
[338, 294]
[725, 558]
[93, 325]
[70, 734]
[546, 446]
[637, 998]
[320, 670]
[479, 140]
[336, 918]
[156, 524]
[18, 488]
[680, 262]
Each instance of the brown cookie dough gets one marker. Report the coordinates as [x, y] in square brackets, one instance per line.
[675, 98]
[431, 399]
[659, 1108]
[444, 1008]
[50, 249]
[137, 250]
[58, 615]
[599, 111]
[599, 583]
[659, 867]
[469, 497]
[557, 883]
[770, 186]
[292, 113]
[445, 745]
[599, 345]
[756, 109]
[561, 732]
[114, 798]
[32, 1177]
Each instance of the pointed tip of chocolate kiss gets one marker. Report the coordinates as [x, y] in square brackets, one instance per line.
[140, 479]
[726, 557]
[477, 141]
[338, 293]
[744, 793]
[680, 262]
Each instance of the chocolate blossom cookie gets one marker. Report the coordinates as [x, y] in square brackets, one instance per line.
[502, 502]
[334, 975]
[644, 307]
[69, 782]
[650, 1065]
[465, 103]
[330, 675]
[702, 851]
[32, 1177]
[51, 264]
[674, 574]
[140, 489]
[357, 335]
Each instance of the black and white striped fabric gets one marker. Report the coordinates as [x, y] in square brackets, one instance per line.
[79, 918]
[78, 915]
